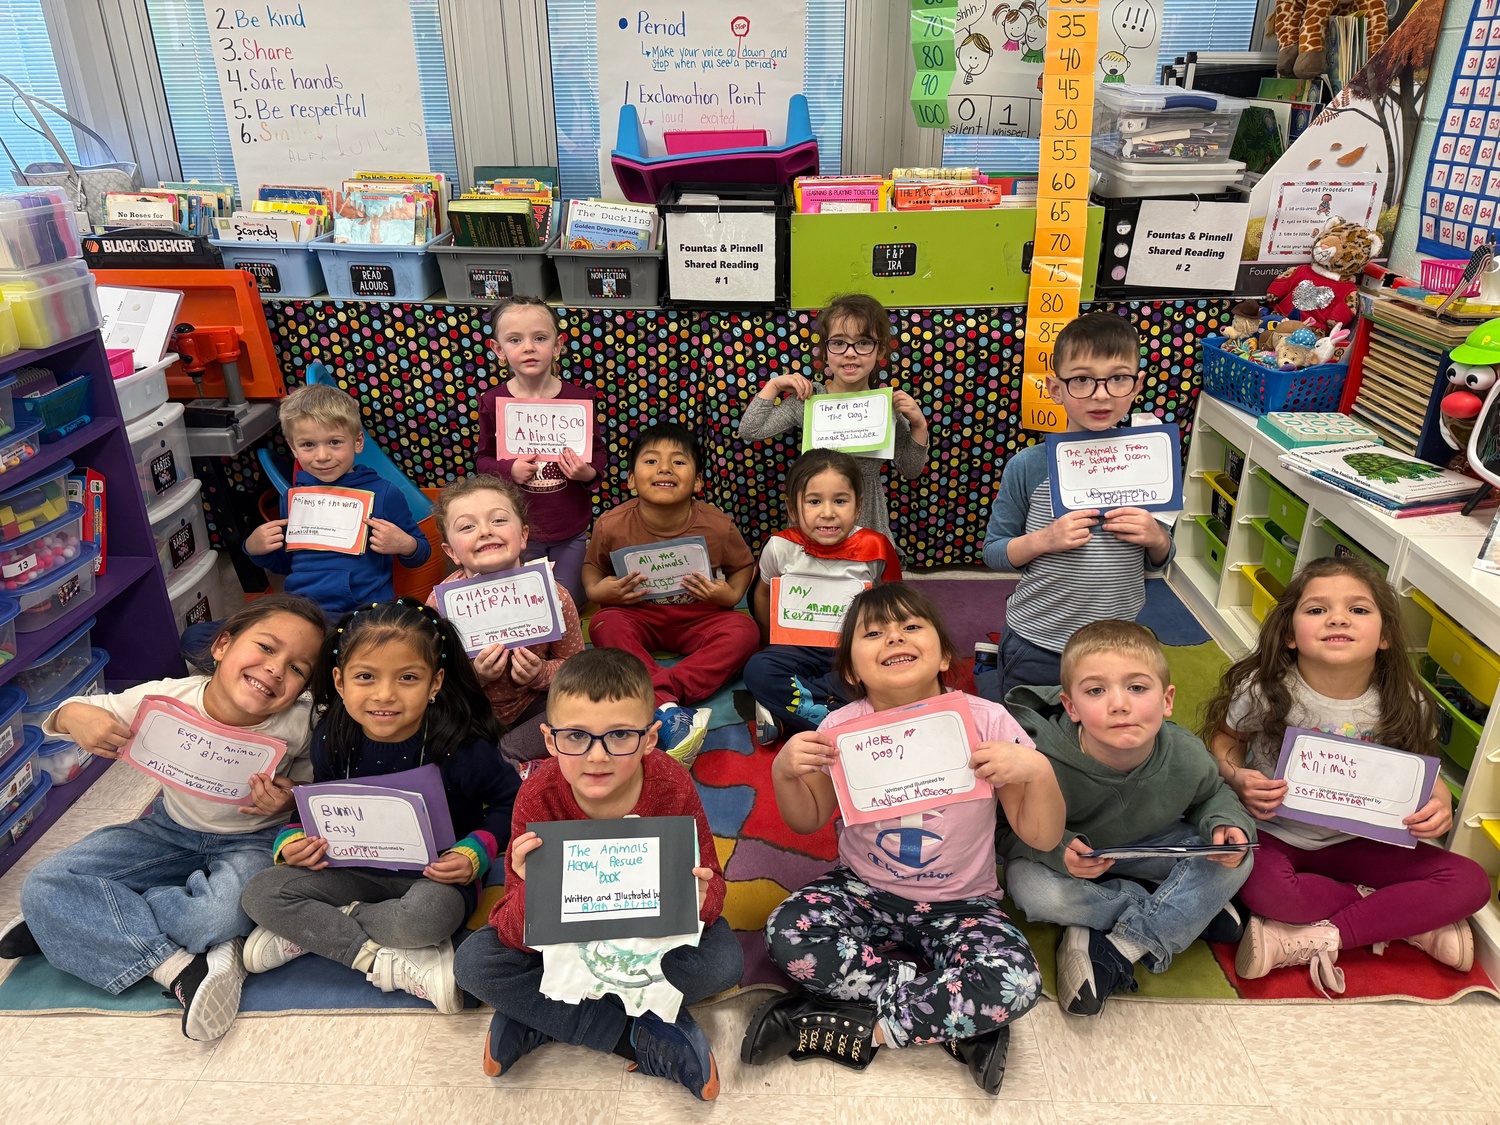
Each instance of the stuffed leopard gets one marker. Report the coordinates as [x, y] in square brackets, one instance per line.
[1323, 291]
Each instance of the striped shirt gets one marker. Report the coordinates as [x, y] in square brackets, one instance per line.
[1059, 593]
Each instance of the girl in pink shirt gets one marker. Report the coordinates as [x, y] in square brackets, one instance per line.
[924, 881]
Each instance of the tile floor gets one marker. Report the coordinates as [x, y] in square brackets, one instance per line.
[1138, 1063]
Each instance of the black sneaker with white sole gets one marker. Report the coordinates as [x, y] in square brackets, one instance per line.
[209, 991]
[1226, 927]
[18, 942]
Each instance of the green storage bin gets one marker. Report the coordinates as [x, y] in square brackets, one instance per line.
[1458, 734]
[1346, 548]
[1278, 559]
[945, 258]
[1286, 508]
[1216, 536]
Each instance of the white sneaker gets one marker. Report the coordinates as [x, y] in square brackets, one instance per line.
[211, 1008]
[265, 951]
[425, 973]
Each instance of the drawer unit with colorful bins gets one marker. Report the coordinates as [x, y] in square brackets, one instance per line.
[1279, 533]
[1461, 675]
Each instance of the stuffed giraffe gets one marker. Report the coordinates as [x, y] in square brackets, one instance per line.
[1301, 29]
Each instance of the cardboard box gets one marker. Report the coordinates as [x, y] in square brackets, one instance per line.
[87, 488]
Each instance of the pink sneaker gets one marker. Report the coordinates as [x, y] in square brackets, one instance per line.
[1269, 944]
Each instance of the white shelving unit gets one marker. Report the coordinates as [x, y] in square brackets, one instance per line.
[1433, 556]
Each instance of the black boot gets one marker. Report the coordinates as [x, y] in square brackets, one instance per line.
[18, 942]
[801, 1026]
[984, 1055]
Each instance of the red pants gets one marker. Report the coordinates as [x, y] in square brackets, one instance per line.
[1416, 889]
[714, 642]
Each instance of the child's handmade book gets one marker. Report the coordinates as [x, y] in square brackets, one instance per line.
[393, 820]
[1353, 786]
[196, 755]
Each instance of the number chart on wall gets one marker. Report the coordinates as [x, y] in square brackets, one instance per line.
[1460, 197]
[314, 92]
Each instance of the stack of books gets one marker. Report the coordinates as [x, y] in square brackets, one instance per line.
[281, 213]
[1401, 484]
[596, 224]
[517, 212]
[390, 208]
[191, 208]
[1403, 373]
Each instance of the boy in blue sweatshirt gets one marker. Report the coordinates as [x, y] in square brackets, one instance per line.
[322, 426]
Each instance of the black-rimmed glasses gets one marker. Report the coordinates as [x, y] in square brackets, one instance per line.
[1116, 386]
[575, 743]
[863, 346]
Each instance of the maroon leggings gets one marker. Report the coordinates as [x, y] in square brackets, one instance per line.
[1416, 889]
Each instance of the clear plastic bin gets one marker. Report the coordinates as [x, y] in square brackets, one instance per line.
[143, 391]
[20, 821]
[18, 447]
[195, 593]
[159, 447]
[20, 775]
[62, 760]
[9, 608]
[179, 528]
[10, 340]
[12, 732]
[25, 560]
[57, 592]
[7, 387]
[88, 682]
[1130, 179]
[51, 303]
[37, 225]
[1164, 124]
[34, 503]
[59, 666]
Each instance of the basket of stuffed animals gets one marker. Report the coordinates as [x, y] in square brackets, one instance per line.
[1255, 373]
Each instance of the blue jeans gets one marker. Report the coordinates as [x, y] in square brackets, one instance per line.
[1166, 920]
[566, 556]
[510, 981]
[125, 898]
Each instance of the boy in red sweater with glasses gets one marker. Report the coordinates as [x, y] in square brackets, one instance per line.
[601, 737]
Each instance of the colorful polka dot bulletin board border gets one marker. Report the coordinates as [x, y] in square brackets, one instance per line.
[420, 370]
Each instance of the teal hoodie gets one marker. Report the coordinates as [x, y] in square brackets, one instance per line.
[1179, 781]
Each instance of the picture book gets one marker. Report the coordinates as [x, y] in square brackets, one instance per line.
[294, 193]
[141, 209]
[1383, 475]
[945, 195]
[594, 224]
[379, 217]
[322, 216]
[537, 193]
[493, 222]
[257, 226]
[434, 183]
[827, 195]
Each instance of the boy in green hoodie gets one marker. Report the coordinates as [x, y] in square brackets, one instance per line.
[1128, 778]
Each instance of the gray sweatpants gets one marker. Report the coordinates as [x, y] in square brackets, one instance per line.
[397, 910]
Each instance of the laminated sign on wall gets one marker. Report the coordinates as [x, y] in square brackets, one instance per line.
[722, 255]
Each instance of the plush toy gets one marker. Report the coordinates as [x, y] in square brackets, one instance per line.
[1301, 30]
[1322, 291]
[1471, 375]
[1297, 350]
[1246, 324]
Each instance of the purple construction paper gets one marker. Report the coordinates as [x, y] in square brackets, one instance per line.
[421, 788]
[1352, 823]
[456, 602]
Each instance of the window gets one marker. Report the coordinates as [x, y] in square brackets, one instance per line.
[1193, 25]
[575, 89]
[26, 57]
[184, 52]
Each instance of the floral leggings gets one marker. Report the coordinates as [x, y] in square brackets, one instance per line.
[836, 936]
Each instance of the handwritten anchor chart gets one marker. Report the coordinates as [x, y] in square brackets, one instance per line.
[708, 65]
[302, 106]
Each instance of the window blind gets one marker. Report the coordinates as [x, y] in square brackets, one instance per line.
[26, 57]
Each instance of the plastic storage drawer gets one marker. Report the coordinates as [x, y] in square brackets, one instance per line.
[38, 225]
[62, 760]
[9, 609]
[145, 390]
[1279, 559]
[7, 390]
[12, 730]
[495, 273]
[1459, 654]
[179, 528]
[1164, 124]
[21, 774]
[10, 339]
[20, 821]
[1265, 591]
[280, 269]
[1215, 536]
[1458, 734]
[59, 666]
[58, 592]
[1346, 548]
[34, 503]
[25, 560]
[90, 681]
[51, 303]
[159, 447]
[355, 270]
[16, 448]
[61, 410]
[1286, 509]
[195, 593]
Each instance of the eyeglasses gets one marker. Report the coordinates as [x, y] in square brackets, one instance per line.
[1117, 386]
[863, 346]
[576, 743]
